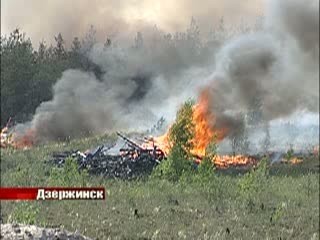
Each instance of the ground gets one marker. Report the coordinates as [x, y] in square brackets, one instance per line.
[18, 231]
[230, 205]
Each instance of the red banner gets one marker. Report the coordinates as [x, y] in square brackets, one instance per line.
[52, 193]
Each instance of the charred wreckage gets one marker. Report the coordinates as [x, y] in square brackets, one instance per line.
[130, 161]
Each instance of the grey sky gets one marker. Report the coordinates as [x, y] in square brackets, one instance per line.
[42, 19]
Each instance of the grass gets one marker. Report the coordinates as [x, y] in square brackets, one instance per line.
[282, 205]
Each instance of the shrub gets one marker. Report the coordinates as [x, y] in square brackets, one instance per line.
[181, 132]
[278, 212]
[205, 177]
[254, 182]
[289, 153]
[174, 167]
[180, 137]
[69, 175]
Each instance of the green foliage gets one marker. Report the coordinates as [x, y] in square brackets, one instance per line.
[278, 212]
[25, 213]
[179, 165]
[206, 168]
[211, 151]
[174, 166]
[289, 153]
[28, 74]
[182, 130]
[69, 175]
[180, 136]
[254, 182]
[205, 176]
[17, 68]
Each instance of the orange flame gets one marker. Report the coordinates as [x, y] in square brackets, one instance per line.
[206, 131]
[5, 137]
[293, 161]
[226, 161]
[204, 122]
[316, 150]
[11, 139]
[27, 140]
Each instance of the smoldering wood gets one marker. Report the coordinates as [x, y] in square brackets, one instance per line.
[132, 161]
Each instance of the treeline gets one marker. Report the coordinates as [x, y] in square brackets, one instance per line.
[28, 74]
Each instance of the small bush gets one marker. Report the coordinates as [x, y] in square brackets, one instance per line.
[174, 166]
[182, 131]
[254, 182]
[278, 212]
[205, 178]
[211, 152]
[289, 153]
[69, 175]
[180, 137]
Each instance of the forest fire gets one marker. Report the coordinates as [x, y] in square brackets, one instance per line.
[205, 132]
[6, 137]
[10, 139]
[27, 140]
[292, 161]
[227, 161]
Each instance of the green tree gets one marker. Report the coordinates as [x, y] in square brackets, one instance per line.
[180, 137]
[17, 69]
[59, 50]
[69, 175]
[253, 183]
[27, 75]
[182, 131]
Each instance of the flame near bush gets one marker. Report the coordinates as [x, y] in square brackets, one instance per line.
[194, 130]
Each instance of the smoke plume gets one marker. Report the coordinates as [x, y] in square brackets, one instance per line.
[278, 65]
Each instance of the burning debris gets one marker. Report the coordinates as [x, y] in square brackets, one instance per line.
[131, 161]
[6, 135]
[134, 159]
[135, 150]
[10, 138]
[293, 160]
[227, 161]
[128, 159]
